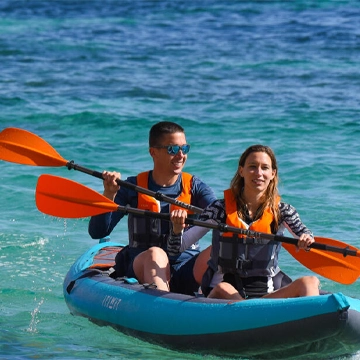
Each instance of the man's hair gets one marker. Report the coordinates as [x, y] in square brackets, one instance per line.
[162, 128]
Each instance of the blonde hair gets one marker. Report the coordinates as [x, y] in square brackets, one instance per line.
[271, 194]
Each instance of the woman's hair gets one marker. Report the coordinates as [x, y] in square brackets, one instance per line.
[270, 196]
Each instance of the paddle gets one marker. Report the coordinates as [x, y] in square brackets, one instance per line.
[61, 197]
[23, 147]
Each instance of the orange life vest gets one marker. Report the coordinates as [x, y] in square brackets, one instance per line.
[146, 202]
[243, 255]
[262, 224]
[146, 231]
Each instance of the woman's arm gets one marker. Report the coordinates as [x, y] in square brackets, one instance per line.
[291, 219]
[181, 238]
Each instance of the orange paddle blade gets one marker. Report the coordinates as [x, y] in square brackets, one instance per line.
[65, 198]
[23, 147]
[333, 266]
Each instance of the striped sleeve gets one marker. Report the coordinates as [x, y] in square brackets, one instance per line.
[291, 218]
[214, 213]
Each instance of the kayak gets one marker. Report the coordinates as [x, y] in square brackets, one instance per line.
[309, 327]
[325, 326]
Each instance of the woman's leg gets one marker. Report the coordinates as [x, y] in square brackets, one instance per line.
[225, 290]
[152, 266]
[201, 265]
[304, 286]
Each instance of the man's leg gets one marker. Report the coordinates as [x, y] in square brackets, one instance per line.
[152, 266]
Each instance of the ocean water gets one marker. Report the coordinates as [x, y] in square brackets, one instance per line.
[92, 77]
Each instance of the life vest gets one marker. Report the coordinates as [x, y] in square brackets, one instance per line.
[239, 254]
[146, 231]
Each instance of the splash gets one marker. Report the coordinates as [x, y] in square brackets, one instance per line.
[34, 317]
[38, 242]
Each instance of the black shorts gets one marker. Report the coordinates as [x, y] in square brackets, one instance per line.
[124, 262]
[253, 287]
[248, 288]
[182, 279]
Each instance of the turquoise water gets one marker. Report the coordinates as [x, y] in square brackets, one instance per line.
[91, 78]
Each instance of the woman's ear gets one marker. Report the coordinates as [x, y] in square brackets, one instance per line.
[273, 173]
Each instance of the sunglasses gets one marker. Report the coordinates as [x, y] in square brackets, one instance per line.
[174, 149]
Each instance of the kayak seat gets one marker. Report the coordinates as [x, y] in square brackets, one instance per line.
[105, 258]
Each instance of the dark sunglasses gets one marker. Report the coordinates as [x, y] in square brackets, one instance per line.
[174, 149]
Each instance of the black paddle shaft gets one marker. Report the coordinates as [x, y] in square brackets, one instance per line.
[157, 195]
[249, 233]
[219, 226]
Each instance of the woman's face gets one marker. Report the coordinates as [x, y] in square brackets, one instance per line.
[257, 172]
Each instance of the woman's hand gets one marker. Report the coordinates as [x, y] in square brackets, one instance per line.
[110, 185]
[305, 241]
[177, 218]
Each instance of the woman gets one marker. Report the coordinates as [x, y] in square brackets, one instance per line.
[241, 267]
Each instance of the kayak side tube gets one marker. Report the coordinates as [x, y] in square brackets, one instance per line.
[326, 324]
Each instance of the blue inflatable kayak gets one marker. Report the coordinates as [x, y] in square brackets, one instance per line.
[323, 326]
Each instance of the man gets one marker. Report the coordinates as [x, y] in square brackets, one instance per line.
[150, 259]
